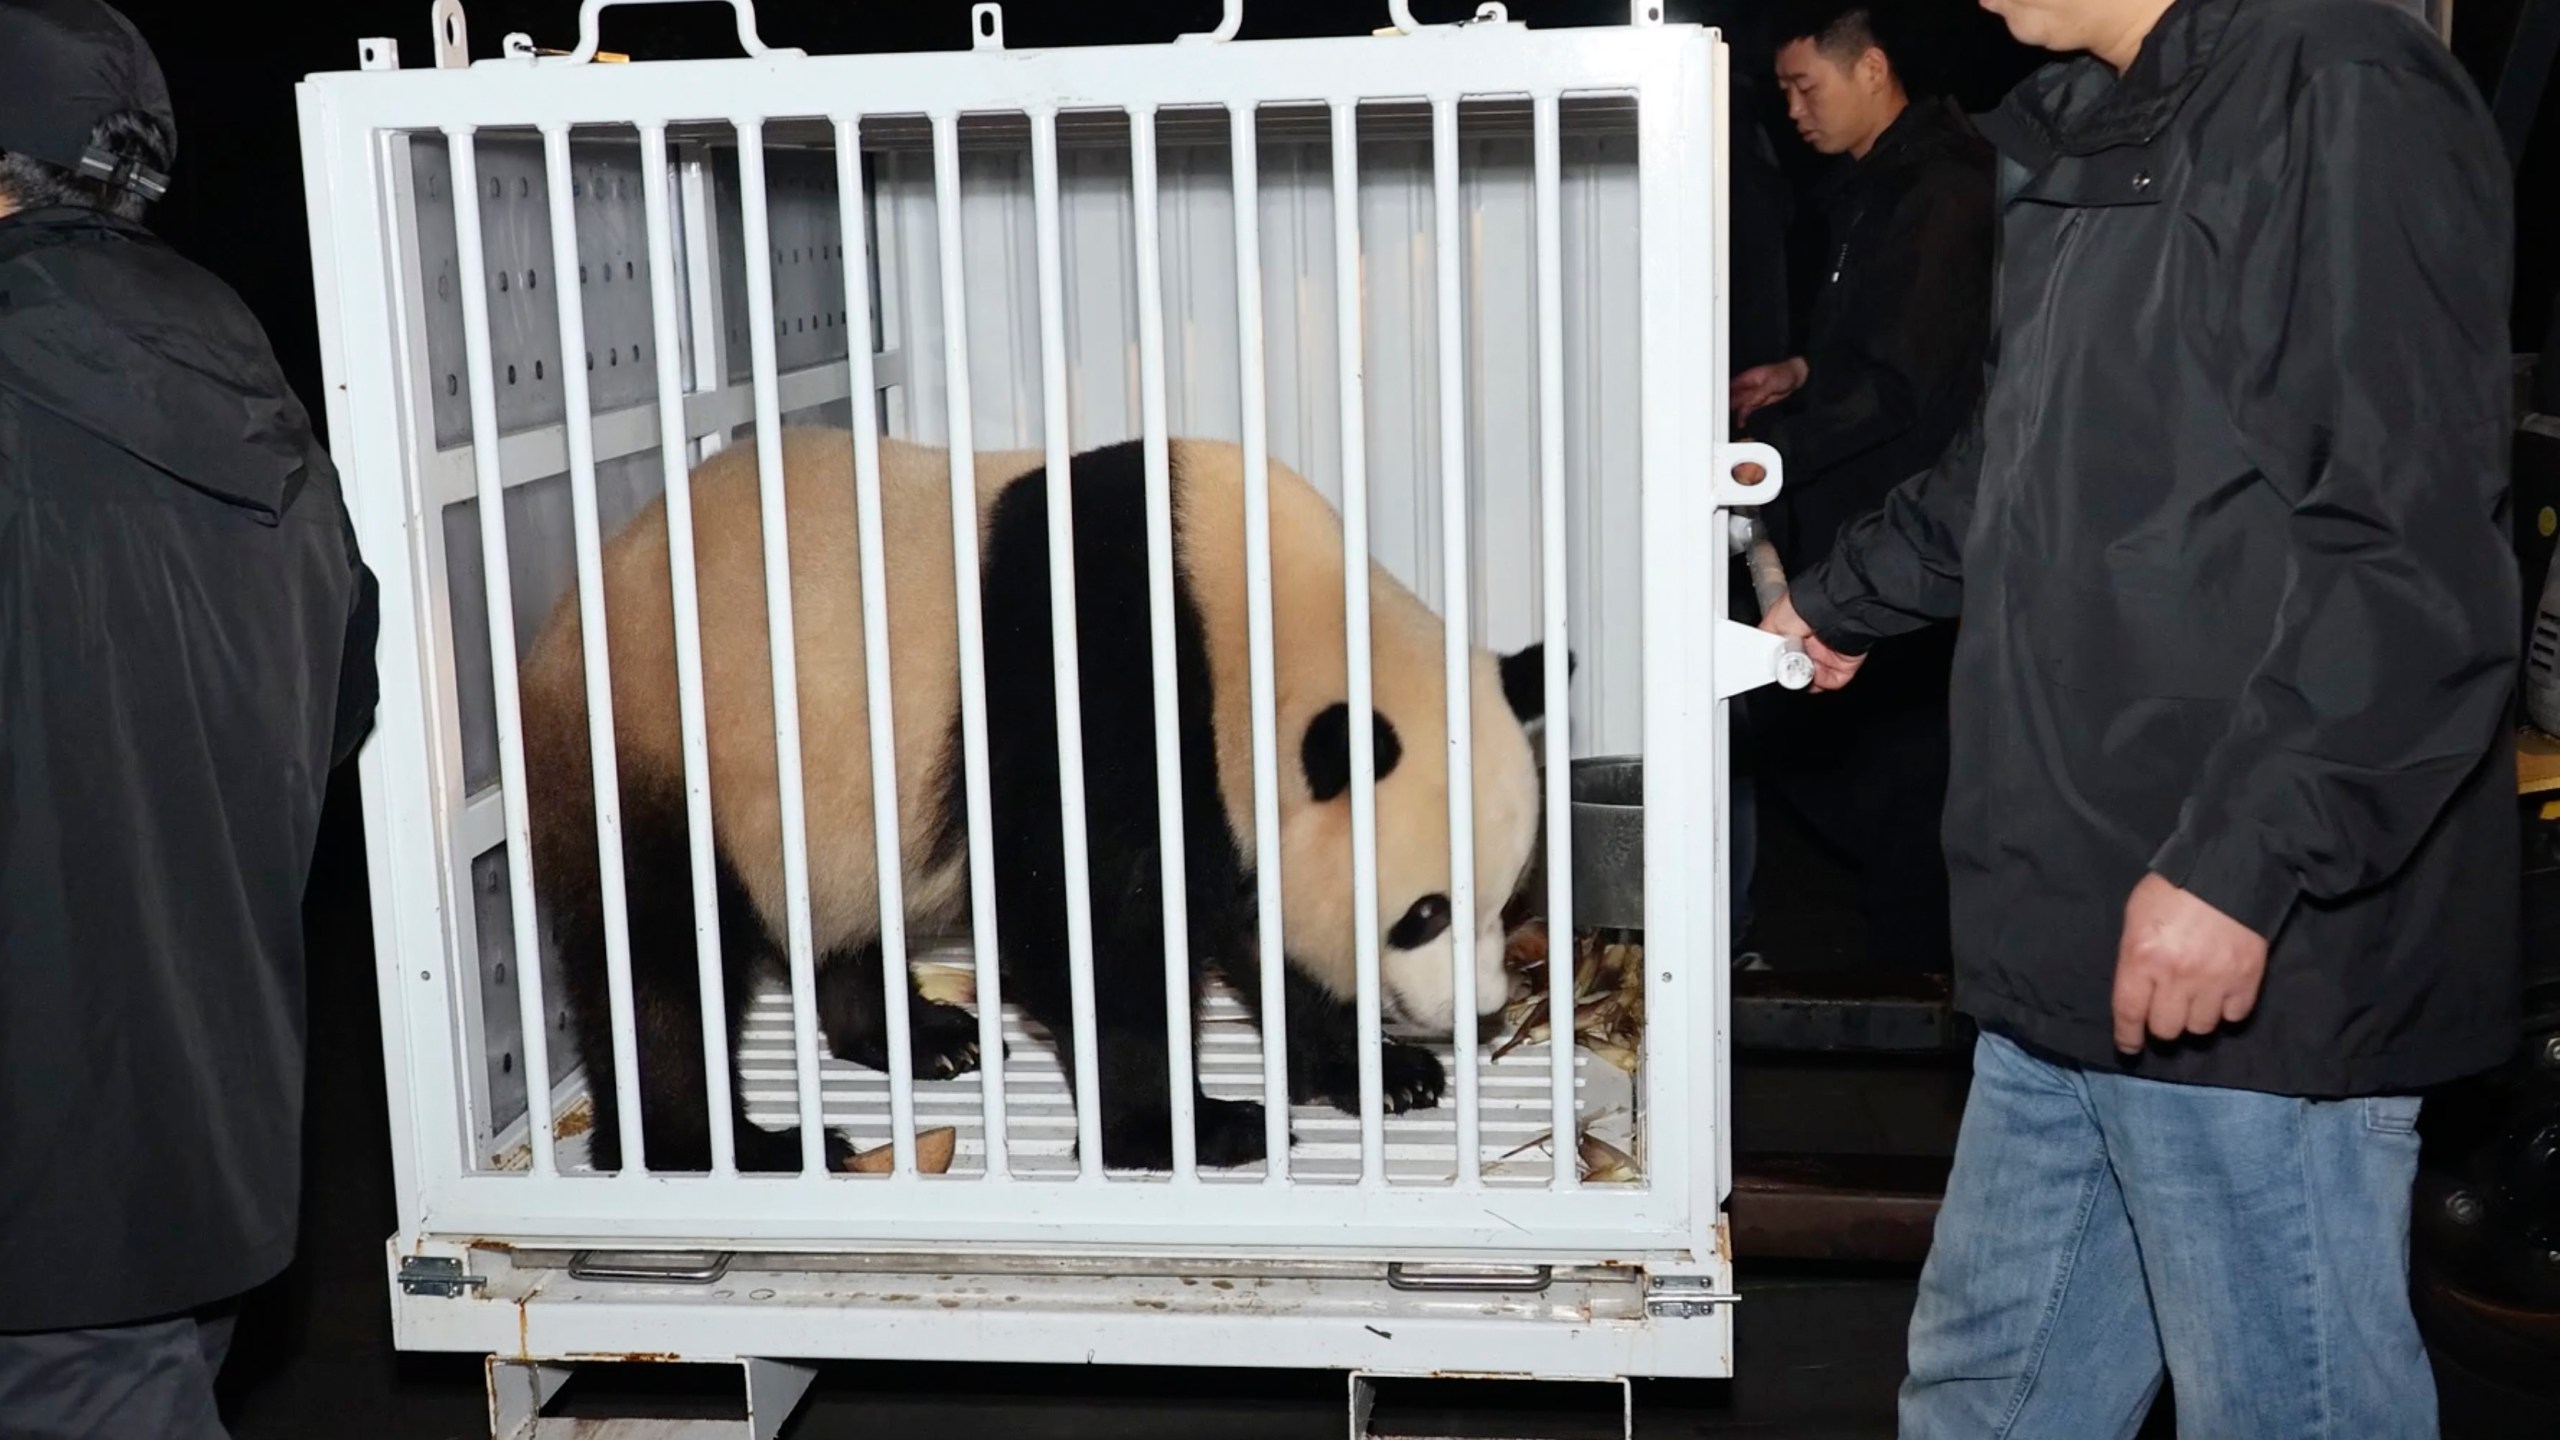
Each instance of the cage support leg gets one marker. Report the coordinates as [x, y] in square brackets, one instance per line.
[517, 1392]
[518, 1389]
[1363, 1406]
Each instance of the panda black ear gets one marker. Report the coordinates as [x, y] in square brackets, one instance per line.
[1325, 753]
[1524, 681]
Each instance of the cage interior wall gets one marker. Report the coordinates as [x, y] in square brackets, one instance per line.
[902, 287]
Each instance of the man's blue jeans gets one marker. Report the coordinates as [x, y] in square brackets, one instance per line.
[2097, 1225]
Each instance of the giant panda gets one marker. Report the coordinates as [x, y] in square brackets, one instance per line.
[1413, 922]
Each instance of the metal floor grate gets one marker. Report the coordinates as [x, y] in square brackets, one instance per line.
[1513, 1095]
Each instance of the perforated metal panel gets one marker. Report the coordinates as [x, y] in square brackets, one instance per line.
[1196, 199]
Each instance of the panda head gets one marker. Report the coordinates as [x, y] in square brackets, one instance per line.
[1415, 921]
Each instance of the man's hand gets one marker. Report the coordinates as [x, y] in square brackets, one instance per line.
[2183, 967]
[1831, 669]
[1762, 386]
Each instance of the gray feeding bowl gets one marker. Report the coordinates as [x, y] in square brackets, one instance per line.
[1607, 794]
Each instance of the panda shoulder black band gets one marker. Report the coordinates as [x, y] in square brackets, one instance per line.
[123, 170]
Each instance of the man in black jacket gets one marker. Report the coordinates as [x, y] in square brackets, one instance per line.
[1889, 374]
[2230, 819]
[185, 654]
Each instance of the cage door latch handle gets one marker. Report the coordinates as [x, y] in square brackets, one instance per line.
[441, 1276]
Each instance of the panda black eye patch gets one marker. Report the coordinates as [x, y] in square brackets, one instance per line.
[1425, 922]
[1325, 752]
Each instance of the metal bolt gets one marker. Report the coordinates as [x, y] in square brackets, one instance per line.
[2551, 1053]
[2463, 1208]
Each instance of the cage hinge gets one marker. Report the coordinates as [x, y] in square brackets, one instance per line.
[1682, 1297]
[438, 1275]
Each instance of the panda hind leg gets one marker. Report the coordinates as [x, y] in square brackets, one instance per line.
[852, 1008]
[1137, 1106]
[666, 996]
[1133, 1058]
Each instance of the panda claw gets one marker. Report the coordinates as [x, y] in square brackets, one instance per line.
[944, 1041]
[1412, 1078]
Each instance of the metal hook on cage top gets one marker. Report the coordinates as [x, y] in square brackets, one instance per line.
[1229, 22]
[590, 10]
[986, 27]
[1491, 12]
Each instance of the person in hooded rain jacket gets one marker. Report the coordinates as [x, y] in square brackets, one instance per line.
[186, 638]
[2231, 830]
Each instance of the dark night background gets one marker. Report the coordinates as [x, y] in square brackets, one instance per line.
[235, 204]
[314, 1353]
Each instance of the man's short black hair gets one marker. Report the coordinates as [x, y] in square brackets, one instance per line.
[1842, 29]
[27, 183]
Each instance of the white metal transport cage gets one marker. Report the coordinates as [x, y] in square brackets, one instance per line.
[1466, 280]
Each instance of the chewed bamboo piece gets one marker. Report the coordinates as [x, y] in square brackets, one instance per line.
[1596, 1161]
[933, 1154]
[946, 983]
[1608, 995]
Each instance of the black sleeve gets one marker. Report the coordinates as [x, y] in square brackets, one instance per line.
[1931, 268]
[1901, 565]
[2367, 366]
[359, 682]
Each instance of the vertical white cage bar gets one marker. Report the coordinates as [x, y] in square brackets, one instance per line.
[785, 647]
[1713, 1124]
[1557, 746]
[1679, 705]
[658, 212]
[709, 355]
[973, 655]
[1062, 632]
[1257, 558]
[578, 427]
[472, 265]
[1147, 198]
[1461, 727]
[855, 252]
[1355, 636]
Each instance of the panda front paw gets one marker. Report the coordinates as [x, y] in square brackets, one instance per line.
[944, 1039]
[942, 1043]
[1409, 1078]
